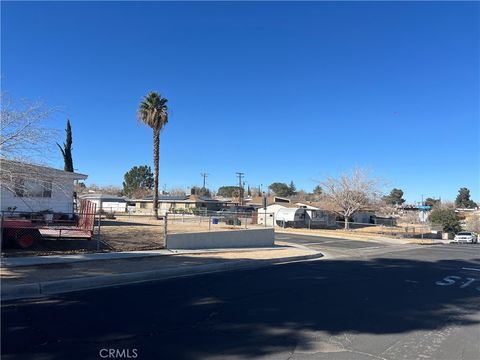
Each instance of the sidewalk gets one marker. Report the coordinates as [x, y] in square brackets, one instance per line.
[46, 275]
[353, 235]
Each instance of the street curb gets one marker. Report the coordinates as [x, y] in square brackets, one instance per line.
[346, 237]
[45, 288]
[9, 262]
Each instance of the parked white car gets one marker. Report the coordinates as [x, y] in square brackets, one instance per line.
[466, 236]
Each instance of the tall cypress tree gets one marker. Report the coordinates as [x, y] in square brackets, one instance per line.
[67, 149]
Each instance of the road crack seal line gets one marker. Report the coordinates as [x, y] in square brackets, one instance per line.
[418, 345]
[292, 353]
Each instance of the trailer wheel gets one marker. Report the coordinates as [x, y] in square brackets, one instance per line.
[26, 240]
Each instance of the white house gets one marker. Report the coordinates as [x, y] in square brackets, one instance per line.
[268, 216]
[295, 215]
[107, 203]
[303, 217]
[33, 188]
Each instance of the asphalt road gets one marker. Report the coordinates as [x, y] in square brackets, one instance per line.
[364, 300]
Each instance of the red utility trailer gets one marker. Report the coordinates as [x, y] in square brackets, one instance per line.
[23, 233]
[19, 232]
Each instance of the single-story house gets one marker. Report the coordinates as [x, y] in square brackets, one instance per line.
[176, 203]
[258, 200]
[386, 221]
[295, 215]
[302, 217]
[107, 203]
[267, 216]
[368, 216]
[363, 216]
[34, 188]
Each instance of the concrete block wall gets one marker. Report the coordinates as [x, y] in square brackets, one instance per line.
[222, 239]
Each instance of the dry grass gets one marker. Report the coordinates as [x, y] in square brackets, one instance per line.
[142, 233]
[126, 233]
[133, 233]
[373, 232]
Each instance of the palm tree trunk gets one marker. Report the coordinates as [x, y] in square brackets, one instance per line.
[156, 160]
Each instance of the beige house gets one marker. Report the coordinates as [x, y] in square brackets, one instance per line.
[176, 204]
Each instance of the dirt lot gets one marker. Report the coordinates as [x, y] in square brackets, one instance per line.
[132, 233]
[127, 233]
[142, 233]
[370, 232]
[121, 234]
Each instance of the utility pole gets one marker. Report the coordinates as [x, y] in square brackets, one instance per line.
[204, 178]
[240, 187]
[423, 217]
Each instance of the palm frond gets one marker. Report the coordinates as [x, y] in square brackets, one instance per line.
[153, 111]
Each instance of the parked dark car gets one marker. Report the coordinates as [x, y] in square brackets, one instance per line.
[242, 209]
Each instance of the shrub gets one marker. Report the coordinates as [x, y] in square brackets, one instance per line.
[446, 218]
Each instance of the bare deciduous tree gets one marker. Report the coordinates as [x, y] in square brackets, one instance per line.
[24, 139]
[350, 193]
[473, 223]
[94, 188]
[22, 131]
[410, 217]
[444, 205]
[386, 209]
[176, 191]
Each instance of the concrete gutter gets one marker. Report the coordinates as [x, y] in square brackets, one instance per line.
[46, 288]
[17, 261]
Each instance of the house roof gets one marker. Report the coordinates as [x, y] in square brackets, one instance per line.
[21, 168]
[308, 205]
[178, 198]
[103, 197]
[258, 200]
[285, 205]
[166, 198]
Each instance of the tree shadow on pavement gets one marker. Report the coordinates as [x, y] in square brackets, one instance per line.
[245, 313]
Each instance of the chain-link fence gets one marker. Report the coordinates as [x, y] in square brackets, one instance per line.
[38, 231]
[205, 221]
[32, 233]
[413, 231]
[111, 230]
[400, 231]
[126, 232]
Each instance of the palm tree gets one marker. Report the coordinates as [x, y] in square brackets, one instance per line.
[153, 112]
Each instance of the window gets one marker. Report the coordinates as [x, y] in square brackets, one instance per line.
[33, 188]
[143, 205]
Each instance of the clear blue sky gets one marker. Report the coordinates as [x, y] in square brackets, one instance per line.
[281, 91]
